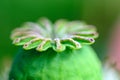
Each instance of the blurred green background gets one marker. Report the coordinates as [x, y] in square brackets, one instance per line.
[101, 13]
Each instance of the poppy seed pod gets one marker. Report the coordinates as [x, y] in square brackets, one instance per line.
[58, 51]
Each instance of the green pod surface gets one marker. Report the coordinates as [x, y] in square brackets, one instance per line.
[81, 64]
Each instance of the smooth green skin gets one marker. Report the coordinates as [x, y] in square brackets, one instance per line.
[81, 64]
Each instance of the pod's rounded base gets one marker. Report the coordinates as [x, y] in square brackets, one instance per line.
[81, 64]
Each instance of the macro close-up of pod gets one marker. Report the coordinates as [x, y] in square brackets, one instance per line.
[59, 51]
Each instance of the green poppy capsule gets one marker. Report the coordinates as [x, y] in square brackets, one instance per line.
[58, 51]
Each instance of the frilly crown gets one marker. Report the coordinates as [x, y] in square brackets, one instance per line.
[43, 35]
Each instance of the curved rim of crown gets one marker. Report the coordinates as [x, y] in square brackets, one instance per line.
[39, 35]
